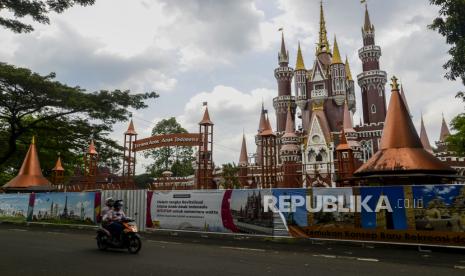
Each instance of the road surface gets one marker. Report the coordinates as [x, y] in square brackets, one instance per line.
[44, 251]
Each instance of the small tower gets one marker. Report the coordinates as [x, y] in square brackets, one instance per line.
[300, 81]
[129, 156]
[424, 137]
[205, 154]
[350, 87]
[372, 80]
[291, 157]
[338, 76]
[268, 157]
[345, 161]
[323, 44]
[58, 173]
[283, 75]
[243, 164]
[91, 166]
[442, 143]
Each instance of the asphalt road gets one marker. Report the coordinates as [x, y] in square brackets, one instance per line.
[42, 251]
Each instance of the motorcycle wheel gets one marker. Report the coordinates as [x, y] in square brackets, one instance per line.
[102, 245]
[135, 245]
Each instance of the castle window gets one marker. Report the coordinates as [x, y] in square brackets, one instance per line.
[373, 108]
[319, 158]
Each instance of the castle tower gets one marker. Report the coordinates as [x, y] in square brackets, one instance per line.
[300, 81]
[338, 75]
[58, 173]
[91, 166]
[372, 80]
[261, 127]
[268, 158]
[291, 157]
[350, 87]
[129, 156]
[442, 143]
[283, 75]
[243, 164]
[205, 154]
[345, 161]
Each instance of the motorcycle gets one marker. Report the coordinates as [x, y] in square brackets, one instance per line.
[129, 240]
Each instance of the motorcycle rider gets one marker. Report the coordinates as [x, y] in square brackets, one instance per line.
[113, 218]
[108, 207]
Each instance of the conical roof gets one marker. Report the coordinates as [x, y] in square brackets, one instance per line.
[268, 129]
[206, 118]
[367, 26]
[336, 54]
[323, 45]
[290, 128]
[348, 72]
[401, 150]
[262, 123]
[402, 94]
[131, 130]
[243, 159]
[30, 175]
[424, 137]
[347, 119]
[58, 165]
[444, 130]
[343, 145]
[299, 65]
[92, 149]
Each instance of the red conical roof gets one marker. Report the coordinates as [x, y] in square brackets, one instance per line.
[401, 150]
[206, 118]
[290, 129]
[58, 165]
[343, 145]
[424, 137]
[92, 149]
[131, 130]
[262, 123]
[402, 94]
[243, 159]
[30, 175]
[268, 130]
[444, 130]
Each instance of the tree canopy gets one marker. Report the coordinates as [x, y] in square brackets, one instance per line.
[37, 10]
[176, 159]
[63, 118]
[451, 24]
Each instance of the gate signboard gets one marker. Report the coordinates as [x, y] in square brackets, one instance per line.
[168, 140]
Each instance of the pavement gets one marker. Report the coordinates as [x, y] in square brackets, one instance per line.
[48, 251]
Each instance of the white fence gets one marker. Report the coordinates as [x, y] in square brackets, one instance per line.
[135, 203]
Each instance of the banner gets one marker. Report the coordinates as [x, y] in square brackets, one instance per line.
[168, 140]
[14, 207]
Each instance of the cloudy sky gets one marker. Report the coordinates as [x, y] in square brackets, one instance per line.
[224, 52]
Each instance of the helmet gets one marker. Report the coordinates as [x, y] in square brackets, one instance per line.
[109, 201]
[118, 204]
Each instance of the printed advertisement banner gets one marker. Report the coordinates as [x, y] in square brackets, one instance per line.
[14, 207]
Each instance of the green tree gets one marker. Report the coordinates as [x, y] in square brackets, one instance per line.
[63, 118]
[37, 10]
[176, 159]
[451, 24]
[230, 176]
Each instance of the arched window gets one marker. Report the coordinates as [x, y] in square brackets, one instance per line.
[319, 158]
[373, 108]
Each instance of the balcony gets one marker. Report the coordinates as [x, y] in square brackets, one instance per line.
[319, 93]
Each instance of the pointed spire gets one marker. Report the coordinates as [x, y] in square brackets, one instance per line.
[30, 175]
[424, 137]
[336, 55]
[290, 128]
[444, 130]
[262, 123]
[402, 94]
[347, 119]
[131, 130]
[367, 26]
[343, 145]
[206, 117]
[33, 140]
[268, 129]
[243, 159]
[58, 165]
[401, 153]
[323, 45]
[92, 149]
[299, 65]
[348, 72]
[283, 55]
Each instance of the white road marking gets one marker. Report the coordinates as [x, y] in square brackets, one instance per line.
[18, 230]
[164, 242]
[243, 248]
[324, 256]
[459, 267]
[367, 260]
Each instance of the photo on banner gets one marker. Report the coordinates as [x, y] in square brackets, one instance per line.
[14, 207]
[65, 208]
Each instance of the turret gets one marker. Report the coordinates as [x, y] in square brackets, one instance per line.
[338, 75]
[300, 81]
[283, 75]
[350, 87]
[290, 155]
[372, 80]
